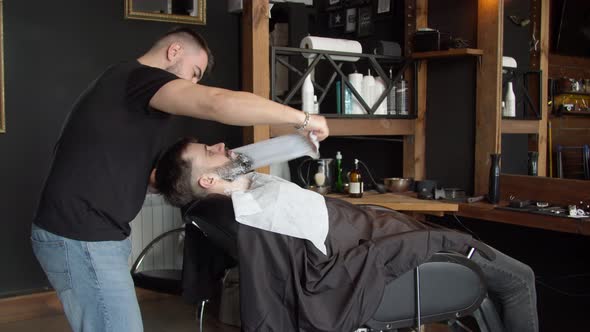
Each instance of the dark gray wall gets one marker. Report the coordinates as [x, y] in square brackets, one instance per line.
[52, 51]
[450, 117]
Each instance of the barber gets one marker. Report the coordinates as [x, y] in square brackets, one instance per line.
[102, 162]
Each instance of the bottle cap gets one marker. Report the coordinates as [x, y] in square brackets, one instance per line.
[338, 155]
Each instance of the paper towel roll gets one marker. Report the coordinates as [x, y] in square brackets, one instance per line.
[332, 44]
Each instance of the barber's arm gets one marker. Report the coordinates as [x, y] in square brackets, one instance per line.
[182, 97]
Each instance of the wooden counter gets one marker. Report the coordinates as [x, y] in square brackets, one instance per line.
[401, 202]
[486, 211]
[556, 191]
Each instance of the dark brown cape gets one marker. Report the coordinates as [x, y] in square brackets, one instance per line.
[286, 284]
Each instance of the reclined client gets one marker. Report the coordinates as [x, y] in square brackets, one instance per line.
[314, 263]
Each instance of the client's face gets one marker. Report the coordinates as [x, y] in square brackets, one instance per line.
[217, 159]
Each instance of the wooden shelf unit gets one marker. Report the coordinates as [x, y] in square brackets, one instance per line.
[458, 52]
[489, 123]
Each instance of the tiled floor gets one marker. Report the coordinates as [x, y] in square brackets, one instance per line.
[167, 314]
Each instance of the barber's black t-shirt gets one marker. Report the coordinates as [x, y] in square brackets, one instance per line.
[103, 158]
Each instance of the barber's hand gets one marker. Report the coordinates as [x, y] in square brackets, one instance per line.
[318, 126]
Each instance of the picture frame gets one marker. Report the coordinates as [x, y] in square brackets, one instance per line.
[350, 25]
[2, 105]
[179, 11]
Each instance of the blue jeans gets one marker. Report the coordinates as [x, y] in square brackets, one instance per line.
[511, 285]
[92, 280]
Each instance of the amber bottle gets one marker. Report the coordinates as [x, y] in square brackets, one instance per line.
[355, 182]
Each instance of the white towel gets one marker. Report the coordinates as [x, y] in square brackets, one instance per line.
[279, 206]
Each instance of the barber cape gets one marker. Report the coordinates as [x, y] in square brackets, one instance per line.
[279, 206]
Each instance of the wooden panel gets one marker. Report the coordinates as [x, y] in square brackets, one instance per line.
[255, 63]
[489, 88]
[400, 202]
[350, 127]
[457, 52]
[540, 61]
[520, 126]
[485, 211]
[414, 153]
[556, 191]
[419, 143]
[568, 66]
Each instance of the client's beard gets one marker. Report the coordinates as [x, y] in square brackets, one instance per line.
[239, 164]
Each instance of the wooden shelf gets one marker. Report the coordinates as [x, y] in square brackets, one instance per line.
[351, 127]
[574, 113]
[561, 93]
[520, 126]
[456, 52]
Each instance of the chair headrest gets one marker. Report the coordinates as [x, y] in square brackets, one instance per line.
[214, 216]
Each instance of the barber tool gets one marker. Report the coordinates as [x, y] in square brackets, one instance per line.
[280, 149]
[397, 185]
[378, 186]
[475, 199]
[425, 189]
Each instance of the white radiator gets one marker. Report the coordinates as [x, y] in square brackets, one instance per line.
[155, 218]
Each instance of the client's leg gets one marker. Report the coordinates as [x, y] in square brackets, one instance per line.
[511, 283]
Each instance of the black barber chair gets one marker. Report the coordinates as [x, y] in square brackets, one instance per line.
[450, 286]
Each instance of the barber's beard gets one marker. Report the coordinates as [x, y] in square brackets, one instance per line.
[239, 164]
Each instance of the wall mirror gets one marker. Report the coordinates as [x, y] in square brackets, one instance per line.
[179, 11]
[2, 117]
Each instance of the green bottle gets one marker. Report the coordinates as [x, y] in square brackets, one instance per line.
[339, 185]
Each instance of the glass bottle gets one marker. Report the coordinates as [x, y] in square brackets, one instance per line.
[533, 163]
[494, 183]
[339, 185]
[355, 189]
[391, 97]
[401, 97]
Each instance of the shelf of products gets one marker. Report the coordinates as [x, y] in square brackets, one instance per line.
[325, 76]
[456, 52]
[358, 126]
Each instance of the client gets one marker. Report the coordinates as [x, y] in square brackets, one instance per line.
[324, 262]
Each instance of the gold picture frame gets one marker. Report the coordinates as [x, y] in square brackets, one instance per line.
[2, 107]
[198, 15]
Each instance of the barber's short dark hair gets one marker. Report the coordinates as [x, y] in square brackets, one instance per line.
[174, 174]
[197, 39]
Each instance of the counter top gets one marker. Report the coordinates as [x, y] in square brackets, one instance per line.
[401, 202]
[486, 211]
